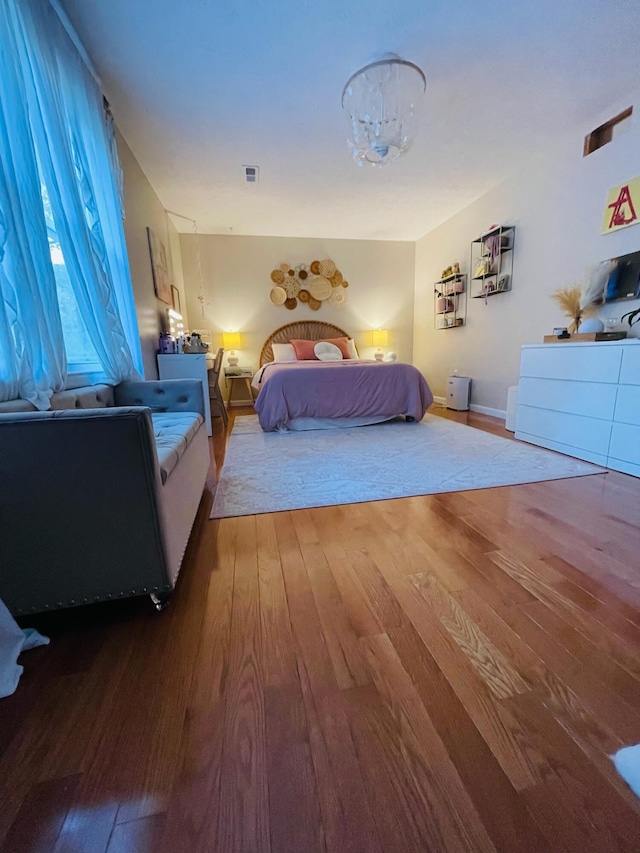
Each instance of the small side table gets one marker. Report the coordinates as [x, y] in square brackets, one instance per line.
[245, 375]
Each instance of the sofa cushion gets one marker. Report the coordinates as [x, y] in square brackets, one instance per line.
[11, 406]
[87, 397]
[173, 433]
[163, 395]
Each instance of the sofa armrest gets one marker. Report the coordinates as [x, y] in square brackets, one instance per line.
[163, 395]
[79, 507]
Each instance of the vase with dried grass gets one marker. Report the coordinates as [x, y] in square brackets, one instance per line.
[571, 300]
[582, 301]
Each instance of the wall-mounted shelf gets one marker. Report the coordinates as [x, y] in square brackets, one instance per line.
[497, 230]
[492, 288]
[482, 277]
[492, 261]
[450, 301]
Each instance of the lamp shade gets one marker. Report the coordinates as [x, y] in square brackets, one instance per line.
[231, 340]
[379, 337]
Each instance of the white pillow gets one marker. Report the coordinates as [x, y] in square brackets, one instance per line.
[327, 352]
[390, 357]
[283, 352]
[353, 350]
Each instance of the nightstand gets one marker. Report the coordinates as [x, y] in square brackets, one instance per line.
[242, 374]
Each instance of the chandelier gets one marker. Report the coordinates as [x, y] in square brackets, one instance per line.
[382, 104]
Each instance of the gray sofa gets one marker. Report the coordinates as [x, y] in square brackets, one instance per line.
[99, 494]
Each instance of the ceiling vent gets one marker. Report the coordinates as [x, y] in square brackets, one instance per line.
[252, 174]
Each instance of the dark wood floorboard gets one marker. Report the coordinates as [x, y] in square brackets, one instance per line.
[439, 673]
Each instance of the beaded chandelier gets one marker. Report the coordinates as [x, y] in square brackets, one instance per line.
[382, 103]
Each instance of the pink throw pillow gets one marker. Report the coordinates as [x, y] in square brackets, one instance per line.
[304, 349]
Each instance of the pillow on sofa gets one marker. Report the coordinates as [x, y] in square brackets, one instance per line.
[283, 352]
[305, 349]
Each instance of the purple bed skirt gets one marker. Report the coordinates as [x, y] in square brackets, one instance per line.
[342, 389]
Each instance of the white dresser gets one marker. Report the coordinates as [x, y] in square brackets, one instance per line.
[583, 400]
[188, 366]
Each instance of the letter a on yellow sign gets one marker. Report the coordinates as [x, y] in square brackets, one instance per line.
[623, 206]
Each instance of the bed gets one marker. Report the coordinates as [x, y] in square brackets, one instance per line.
[312, 394]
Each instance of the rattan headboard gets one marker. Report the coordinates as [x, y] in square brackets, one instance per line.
[307, 330]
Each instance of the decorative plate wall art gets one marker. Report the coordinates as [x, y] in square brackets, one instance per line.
[311, 284]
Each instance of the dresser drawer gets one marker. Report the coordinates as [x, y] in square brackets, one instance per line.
[586, 455]
[591, 399]
[625, 467]
[577, 431]
[580, 363]
[628, 405]
[630, 370]
[625, 443]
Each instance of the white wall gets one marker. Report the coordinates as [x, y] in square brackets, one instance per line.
[175, 253]
[144, 209]
[557, 207]
[235, 275]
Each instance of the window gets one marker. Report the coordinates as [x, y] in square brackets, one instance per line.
[82, 359]
[72, 319]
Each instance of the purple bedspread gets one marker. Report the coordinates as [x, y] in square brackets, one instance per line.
[343, 389]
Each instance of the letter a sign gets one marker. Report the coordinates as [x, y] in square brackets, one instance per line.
[623, 206]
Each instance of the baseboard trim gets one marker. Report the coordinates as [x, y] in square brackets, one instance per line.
[483, 410]
[487, 410]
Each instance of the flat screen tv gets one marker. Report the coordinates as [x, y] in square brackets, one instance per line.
[624, 280]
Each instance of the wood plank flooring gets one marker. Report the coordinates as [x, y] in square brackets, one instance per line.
[439, 673]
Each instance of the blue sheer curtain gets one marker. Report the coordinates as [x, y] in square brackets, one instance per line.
[32, 354]
[64, 125]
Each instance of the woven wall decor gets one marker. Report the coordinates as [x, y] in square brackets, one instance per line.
[278, 295]
[314, 284]
[320, 288]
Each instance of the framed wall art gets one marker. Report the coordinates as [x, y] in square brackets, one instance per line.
[175, 299]
[160, 268]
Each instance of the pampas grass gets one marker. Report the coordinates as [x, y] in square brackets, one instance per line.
[579, 302]
[594, 288]
[570, 299]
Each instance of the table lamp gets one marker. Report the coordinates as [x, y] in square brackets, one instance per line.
[231, 342]
[379, 339]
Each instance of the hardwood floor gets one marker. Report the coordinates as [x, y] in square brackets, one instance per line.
[439, 673]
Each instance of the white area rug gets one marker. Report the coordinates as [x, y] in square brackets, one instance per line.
[270, 472]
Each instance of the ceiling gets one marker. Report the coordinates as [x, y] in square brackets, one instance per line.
[201, 87]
